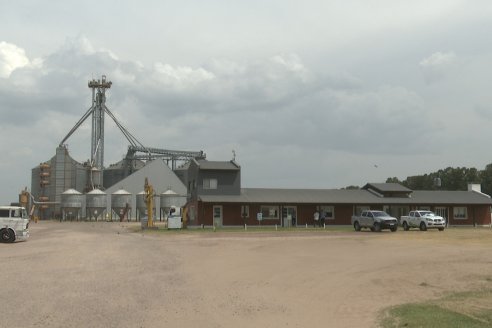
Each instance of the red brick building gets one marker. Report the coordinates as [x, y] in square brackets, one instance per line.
[295, 207]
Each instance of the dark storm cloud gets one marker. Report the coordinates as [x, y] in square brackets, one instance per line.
[326, 85]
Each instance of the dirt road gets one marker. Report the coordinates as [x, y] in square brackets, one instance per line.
[103, 275]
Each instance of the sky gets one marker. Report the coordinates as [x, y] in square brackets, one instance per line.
[308, 94]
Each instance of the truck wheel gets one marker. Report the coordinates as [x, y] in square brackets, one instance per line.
[356, 226]
[423, 226]
[441, 229]
[7, 236]
[393, 229]
[377, 227]
[405, 226]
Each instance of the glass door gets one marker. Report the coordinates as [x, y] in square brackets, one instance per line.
[217, 215]
[289, 216]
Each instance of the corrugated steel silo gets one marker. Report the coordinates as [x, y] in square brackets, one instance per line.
[170, 198]
[121, 203]
[96, 202]
[71, 204]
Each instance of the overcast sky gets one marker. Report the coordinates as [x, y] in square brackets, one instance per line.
[309, 94]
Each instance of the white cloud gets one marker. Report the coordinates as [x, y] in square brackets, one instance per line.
[439, 59]
[438, 65]
[318, 89]
[11, 58]
[181, 76]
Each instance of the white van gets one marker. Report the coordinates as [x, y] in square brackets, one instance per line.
[14, 224]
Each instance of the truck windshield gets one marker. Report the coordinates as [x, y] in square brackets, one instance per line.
[379, 214]
[429, 213]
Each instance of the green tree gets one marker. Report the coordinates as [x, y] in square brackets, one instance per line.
[486, 179]
[393, 180]
[451, 179]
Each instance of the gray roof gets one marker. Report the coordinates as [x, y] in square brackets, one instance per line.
[387, 187]
[159, 174]
[342, 196]
[448, 197]
[307, 196]
[217, 165]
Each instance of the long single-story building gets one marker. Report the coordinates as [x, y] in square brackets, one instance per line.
[216, 198]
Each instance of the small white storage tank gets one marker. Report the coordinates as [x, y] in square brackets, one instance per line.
[121, 203]
[71, 204]
[96, 202]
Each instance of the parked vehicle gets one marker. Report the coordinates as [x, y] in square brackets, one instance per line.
[14, 224]
[423, 220]
[374, 220]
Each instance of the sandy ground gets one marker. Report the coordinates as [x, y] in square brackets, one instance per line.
[103, 275]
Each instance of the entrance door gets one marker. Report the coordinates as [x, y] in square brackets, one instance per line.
[217, 216]
[443, 212]
[289, 216]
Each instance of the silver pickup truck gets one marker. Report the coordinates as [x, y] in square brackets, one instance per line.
[374, 220]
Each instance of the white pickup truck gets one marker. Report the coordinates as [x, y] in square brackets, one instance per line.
[374, 220]
[423, 220]
[14, 224]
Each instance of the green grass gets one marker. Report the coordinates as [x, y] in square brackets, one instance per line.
[467, 309]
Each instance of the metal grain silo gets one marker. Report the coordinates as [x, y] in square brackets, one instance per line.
[121, 203]
[170, 198]
[96, 201]
[71, 204]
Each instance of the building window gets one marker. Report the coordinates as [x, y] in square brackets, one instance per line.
[269, 212]
[460, 213]
[209, 183]
[15, 213]
[329, 212]
[217, 212]
[245, 211]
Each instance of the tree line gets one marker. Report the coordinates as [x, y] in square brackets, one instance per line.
[451, 178]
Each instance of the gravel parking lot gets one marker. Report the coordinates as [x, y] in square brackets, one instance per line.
[87, 274]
